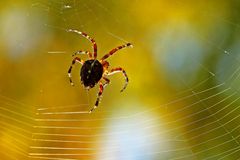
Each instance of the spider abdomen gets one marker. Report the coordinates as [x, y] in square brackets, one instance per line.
[91, 72]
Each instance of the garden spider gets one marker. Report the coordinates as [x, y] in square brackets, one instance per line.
[94, 71]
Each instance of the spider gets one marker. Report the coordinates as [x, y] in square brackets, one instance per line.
[95, 71]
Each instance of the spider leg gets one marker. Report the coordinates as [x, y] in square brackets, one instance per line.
[115, 50]
[106, 83]
[83, 52]
[119, 69]
[76, 59]
[89, 38]
[98, 97]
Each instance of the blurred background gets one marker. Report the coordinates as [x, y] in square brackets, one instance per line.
[182, 101]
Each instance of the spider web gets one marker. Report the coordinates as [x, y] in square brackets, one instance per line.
[182, 101]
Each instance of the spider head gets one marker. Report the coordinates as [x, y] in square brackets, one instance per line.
[91, 72]
[105, 65]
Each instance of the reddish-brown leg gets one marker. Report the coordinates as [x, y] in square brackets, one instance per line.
[105, 64]
[89, 38]
[119, 69]
[76, 59]
[83, 52]
[106, 83]
[115, 50]
[98, 97]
